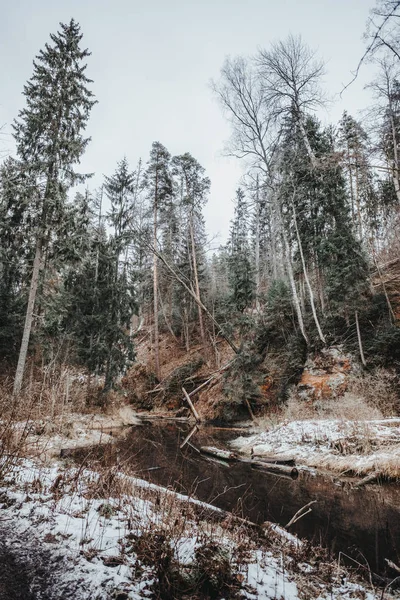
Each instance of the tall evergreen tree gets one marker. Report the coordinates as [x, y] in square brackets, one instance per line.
[120, 191]
[15, 252]
[50, 142]
[353, 141]
[158, 183]
[194, 186]
[240, 271]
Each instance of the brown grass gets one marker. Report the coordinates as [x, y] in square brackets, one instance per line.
[369, 396]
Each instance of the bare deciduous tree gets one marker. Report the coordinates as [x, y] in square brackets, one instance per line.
[254, 134]
[290, 82]
[385, 113]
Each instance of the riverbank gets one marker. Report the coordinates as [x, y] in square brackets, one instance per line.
[106, 535]
[346, 447]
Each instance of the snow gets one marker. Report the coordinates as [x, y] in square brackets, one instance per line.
[361, 445]
[47, 437]
[81, 533]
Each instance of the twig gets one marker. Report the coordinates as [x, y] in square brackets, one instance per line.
[300, 513]
[187, 438]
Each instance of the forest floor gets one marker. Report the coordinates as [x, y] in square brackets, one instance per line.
[68, 532]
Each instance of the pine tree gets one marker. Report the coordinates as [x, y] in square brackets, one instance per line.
[48, 134]
[99, 312]
[240, 271]
[194, 186]
[353, 141]
[158, 183]
[15, 253]
[120, 191]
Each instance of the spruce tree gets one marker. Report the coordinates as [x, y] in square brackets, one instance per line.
[317, 210]
[240, 271]
[158, 183]
[120, 191]
[353, 141]
[50, 142]
[98, 312]
[15, 253]
[194, 186]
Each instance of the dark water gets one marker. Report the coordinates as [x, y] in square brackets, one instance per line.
[362, 523]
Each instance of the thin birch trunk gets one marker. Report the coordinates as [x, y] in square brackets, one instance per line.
[359, 222]
[395, 166]
[391, 312]
[360, 341]
[351, 184]
[293, 285]
[306, 141]
[19, 374]
[193, 295]
[306, 278]
[196, 283]
[257, 248]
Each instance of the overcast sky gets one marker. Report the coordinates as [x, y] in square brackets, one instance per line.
[152, 62]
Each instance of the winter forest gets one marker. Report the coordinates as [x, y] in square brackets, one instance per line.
[113, 298]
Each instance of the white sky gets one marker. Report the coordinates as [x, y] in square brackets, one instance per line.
[152, 62]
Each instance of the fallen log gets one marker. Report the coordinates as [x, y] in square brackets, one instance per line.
[242, 429]
[150, 417]
[218, 461]
[274, 468]
[191, 406]
[212, 378]
[217, 453]
[290, 462]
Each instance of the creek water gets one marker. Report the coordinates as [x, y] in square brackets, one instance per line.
[362, 523]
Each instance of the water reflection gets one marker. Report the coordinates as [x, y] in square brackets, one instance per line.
[363, 523]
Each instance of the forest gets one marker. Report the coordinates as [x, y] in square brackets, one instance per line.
[115, 296]
[305, 266]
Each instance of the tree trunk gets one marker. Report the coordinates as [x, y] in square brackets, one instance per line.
[306, 141]
[257, 248]
[196, 283]
[360, 341]
[359, 221]
[19, 374]
[293, 285]
[157, 369]
[395, 167]
[306, 278]
[193, 295]
[349, 159]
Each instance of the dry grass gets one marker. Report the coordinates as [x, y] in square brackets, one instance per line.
[369, 396]
[54, 391]
[349, 407]
[380, 390]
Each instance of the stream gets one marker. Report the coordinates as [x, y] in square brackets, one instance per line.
[364, 523]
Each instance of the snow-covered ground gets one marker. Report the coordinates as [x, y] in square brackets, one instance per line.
[360, 447]
[47, 437]
[100, 548]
